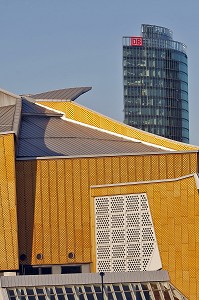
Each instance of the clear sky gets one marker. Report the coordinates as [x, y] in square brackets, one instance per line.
[53, 44]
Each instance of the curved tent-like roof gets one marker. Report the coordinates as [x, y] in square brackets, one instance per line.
[62, 94]
[44, 133]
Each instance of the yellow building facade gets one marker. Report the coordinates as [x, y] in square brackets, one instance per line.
[174, 206]
[47, 200]
[8, 210]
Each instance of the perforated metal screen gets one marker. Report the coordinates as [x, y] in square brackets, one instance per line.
[125, 236]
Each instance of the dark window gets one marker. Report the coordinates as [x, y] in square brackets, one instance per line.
[30, 270]
[46, 270]
[70, 269]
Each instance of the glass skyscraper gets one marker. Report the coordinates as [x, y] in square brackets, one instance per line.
[155, 77]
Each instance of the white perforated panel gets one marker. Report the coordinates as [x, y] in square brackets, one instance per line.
[125, 235]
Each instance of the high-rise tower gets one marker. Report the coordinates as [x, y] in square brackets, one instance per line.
[156, 83]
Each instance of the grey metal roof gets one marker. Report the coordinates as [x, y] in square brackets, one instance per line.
[6, 118]
[43, 135]
[62, 94]
[10, 117]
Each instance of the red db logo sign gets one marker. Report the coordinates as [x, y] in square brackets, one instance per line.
[136, 41]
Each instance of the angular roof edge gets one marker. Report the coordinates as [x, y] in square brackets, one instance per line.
[84, 115]
[100, 155]
[194, 175]
[17, 117]
[61, 94]
[9, 93]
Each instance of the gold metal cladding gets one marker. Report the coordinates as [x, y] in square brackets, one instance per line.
[8, 210]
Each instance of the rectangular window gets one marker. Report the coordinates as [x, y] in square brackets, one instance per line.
[70, 269]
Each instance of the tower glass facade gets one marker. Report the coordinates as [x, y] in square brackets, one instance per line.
[155, 76]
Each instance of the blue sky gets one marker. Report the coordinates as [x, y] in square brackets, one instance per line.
[52, 44]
